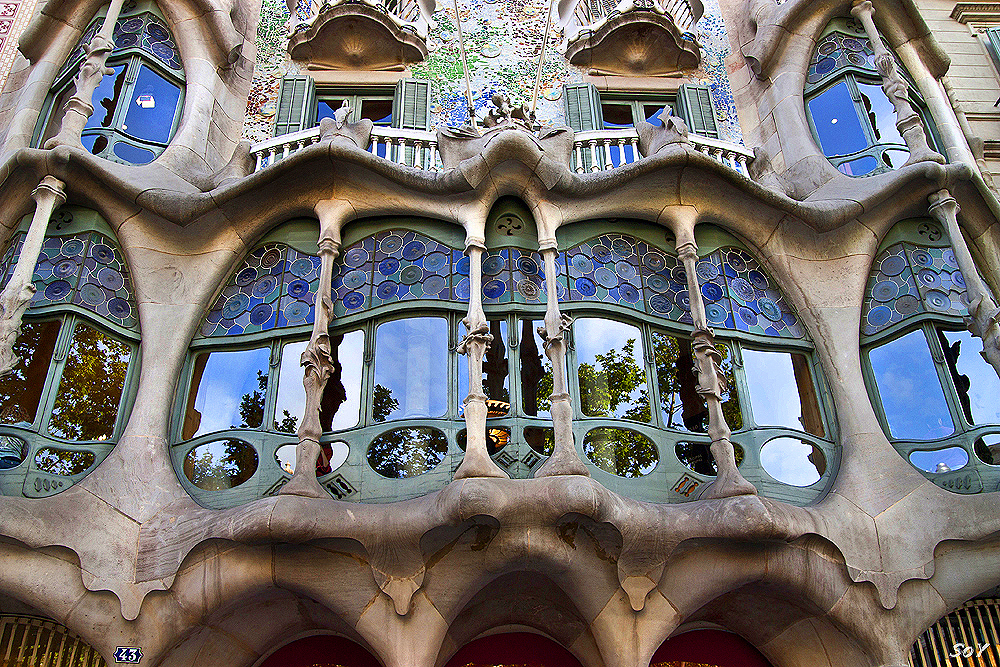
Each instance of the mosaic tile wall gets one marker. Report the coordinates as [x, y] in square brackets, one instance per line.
[502, 40]
[14, 17]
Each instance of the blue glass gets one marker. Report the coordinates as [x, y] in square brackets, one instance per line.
[940, 460]
[860, 167]
[227, 391]
[907, 381]
[411, 369]
[107, 97]
[881, 114]
[151, 110]
[793, 461]
[327, 108]
[134, 154]
[975, 380]
[779, 396]
[836, 120]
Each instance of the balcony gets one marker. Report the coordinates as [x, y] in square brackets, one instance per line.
[358, 34]
[598, 150]
[634, 37]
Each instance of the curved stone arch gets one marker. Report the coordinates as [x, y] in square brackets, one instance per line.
[506, 645]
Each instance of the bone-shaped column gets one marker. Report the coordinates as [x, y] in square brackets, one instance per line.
[318, 363]
[16, 295]
[983, 312]
[895, 87]
[80, 106]
[564, 459]
[475, 343]
[711, 382]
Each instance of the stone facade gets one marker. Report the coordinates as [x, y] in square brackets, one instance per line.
[814, 494]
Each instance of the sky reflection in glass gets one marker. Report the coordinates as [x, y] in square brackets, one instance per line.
[836, 120]
[411, 369]
[292, 395]
[787, 460]
[151, 110]
[226, 379]
[979, 402]
[496, 374]
[908, 386]
[940, 460]
[611, 369]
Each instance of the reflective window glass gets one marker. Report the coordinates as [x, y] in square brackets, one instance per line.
[221, 464]
[407, 452]
[411, 369]
[536, 371]
[793, 461]
[13, 451]
[21, 389]
[496, 376]
[617, 114]
[836, 121]
[698, 456]
[228, 390]
[377, 111]
[542, 440]
[107, 97]
[90, 391]
[908, 387]
[341, 405]
[621, 451]
[940, 460]
[881, 114]
[681, 405]
[975, 380]
[132, 154]
[611, 369]
[152, 108]
[782, 392]
[57, 461]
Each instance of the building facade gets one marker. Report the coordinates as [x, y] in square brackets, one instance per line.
[706, 292]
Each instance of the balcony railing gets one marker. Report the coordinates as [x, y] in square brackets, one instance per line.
[404, 13]
[598, 150]
[590, 15]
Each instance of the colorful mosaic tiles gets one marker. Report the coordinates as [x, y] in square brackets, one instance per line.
[275, 287]
[909, 279]
[87, 270]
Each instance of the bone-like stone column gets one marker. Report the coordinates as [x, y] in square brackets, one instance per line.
[711, 382]
[983, 311]
[895, 87]
[80, 107]
[564, 459]
[20, 288]
[318, 363]
[477, 461]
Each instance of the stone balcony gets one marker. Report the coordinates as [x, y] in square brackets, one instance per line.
[634, 37]
[358, 34]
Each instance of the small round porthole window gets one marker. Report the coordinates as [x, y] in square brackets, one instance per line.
[333, 456]
[407, 452]
[697, 456]
[13, 450]
[220, 464]
[793, 461]
[621, 451]
[56, 461]
[945, 459]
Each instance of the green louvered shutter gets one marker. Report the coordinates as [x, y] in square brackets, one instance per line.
[296, 105]
[411, 106]
[582, 103]
[694, 105]
[993, 46]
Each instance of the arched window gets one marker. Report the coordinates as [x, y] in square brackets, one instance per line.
[393, 412]
[137, 106]
[851, 117]
[934, 393]
[66, 402]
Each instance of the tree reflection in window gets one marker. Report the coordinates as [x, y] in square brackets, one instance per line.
[621, 451]
[698, 457]
[411, 369]
[86, 405]
[407, 452]
[611, 370]
[226, 390]
[222, 464]
[681, 405]
[21, 389]
[56, 461]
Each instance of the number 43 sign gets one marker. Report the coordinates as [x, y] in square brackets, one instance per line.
[128, 654]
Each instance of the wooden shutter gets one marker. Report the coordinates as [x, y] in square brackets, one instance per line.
[411, 105]
[694, 105]
[583, 107]
[296, 105]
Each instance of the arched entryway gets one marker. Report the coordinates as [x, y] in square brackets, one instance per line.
[321, 651]
[523, 649]
[708, 648]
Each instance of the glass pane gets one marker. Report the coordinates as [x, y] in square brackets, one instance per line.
[620, 451]
[90, 390]
[496, 439]
[407, 452]
[881, 114]
[496, 380]
[782, 392]
[940, 460]
[682, 407]
[327, 108]
[411, 369]
[133, 154]
[793, 461]
[151, 110]
[611, 369]
[106, 98]
[341, 407]
[617, 114]
[333, 455]
[64, 462]
[221, 464]
[228, 390]
[698, 457]
[836, 120]
[987, 449]
[975, 380]
[21, 389]
[377, 111]
[652, 113]
[542, 440]
[536, 371]
[860, 167]
[908, 386]
[13, 450]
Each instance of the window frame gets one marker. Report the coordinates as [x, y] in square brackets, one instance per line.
[355, 96]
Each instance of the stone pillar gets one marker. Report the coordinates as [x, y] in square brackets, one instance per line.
[16, 295]
[318, 363]
[477, 339]
[983, 311]
[80, 107]
[564, 459]
[711, 382]
[895, 87]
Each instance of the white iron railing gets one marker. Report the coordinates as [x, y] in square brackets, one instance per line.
[590, 15]
[592, 151]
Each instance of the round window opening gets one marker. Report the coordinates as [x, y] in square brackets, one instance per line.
[407, 452]
[332, 456]
[220, 464]
[620, 451]
[793, 461]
